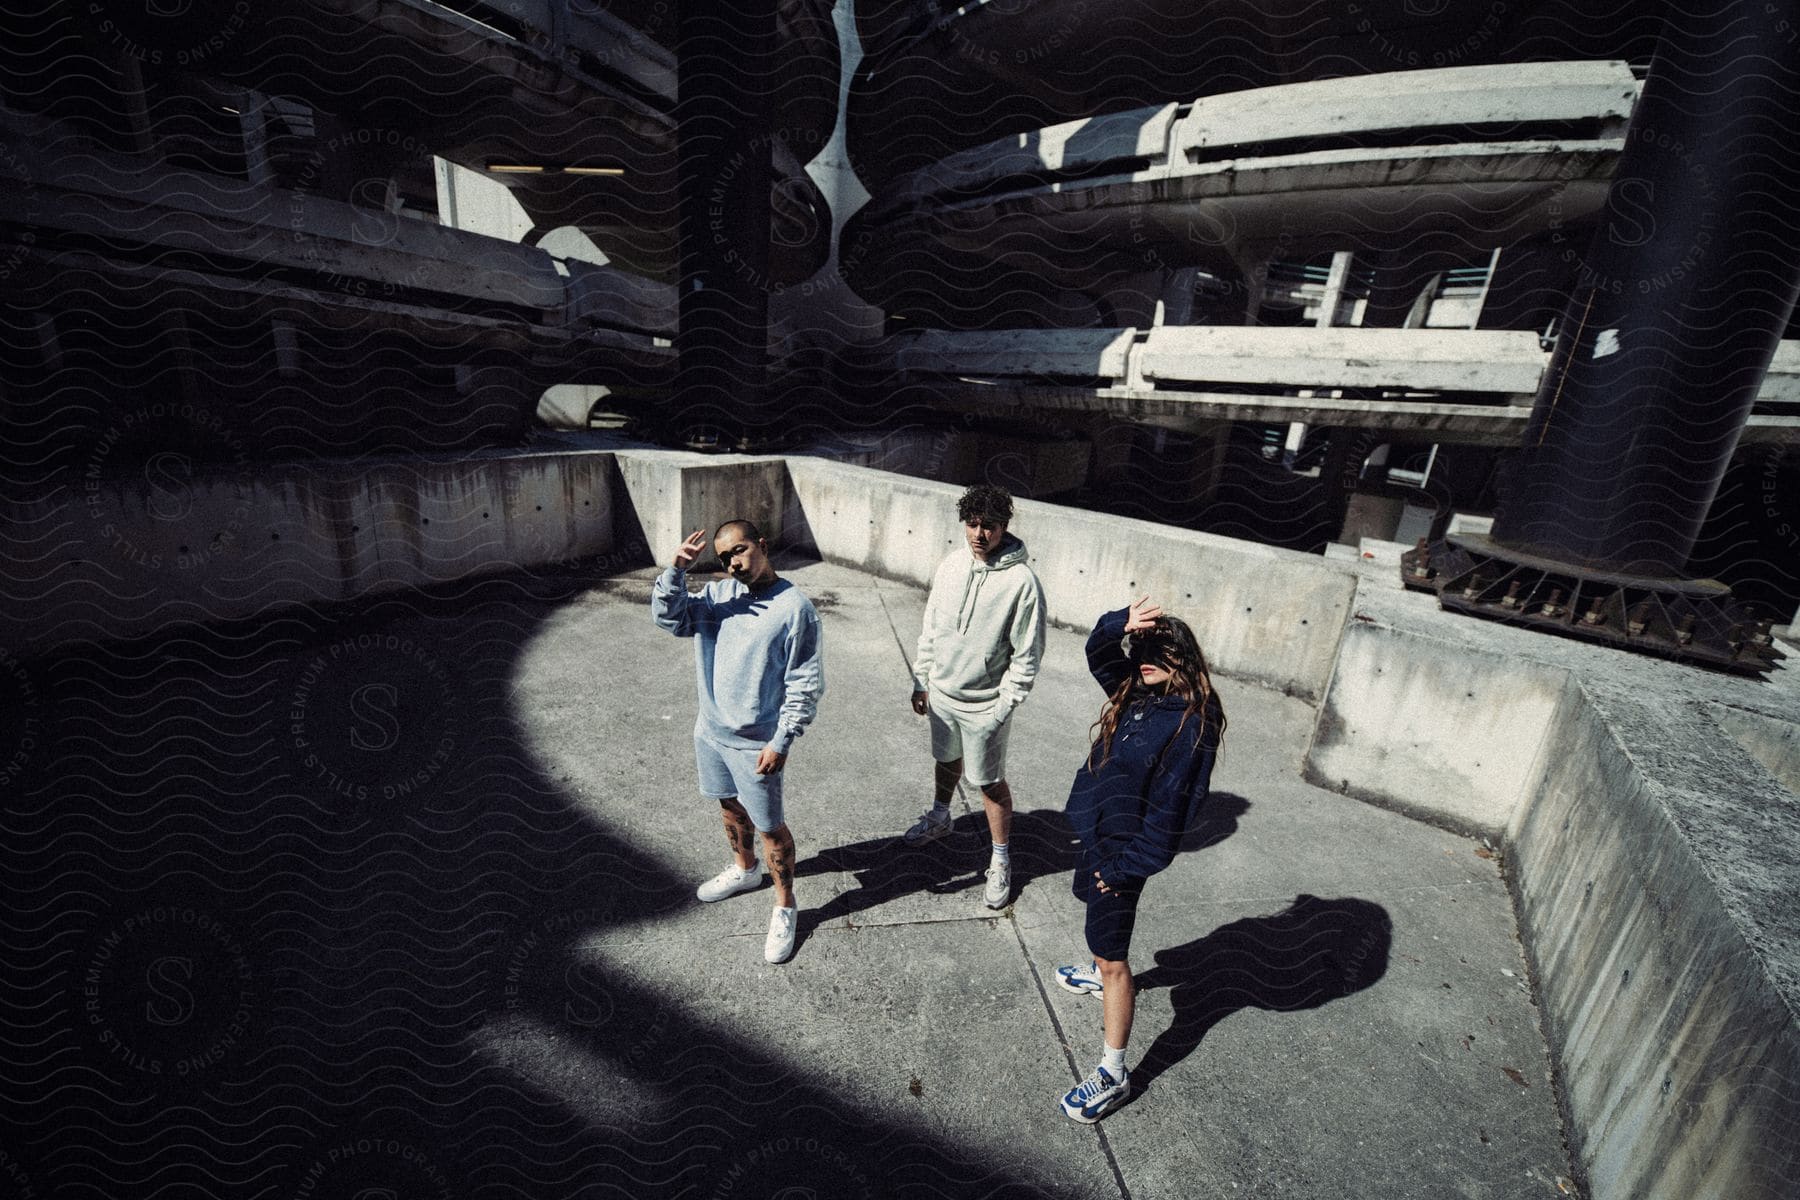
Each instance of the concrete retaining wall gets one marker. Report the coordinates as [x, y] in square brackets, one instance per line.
[1261, 613]
[1679, 1057]
[120, 557]
[1655, 857]
[1264, 614]
[1444, 732]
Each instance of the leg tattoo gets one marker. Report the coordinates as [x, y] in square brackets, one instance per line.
[778, 845]
[738, 832]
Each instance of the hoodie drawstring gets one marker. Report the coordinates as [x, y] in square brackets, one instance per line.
[965, 613]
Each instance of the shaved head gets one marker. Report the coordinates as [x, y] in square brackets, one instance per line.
[743, 552]
[738, 528]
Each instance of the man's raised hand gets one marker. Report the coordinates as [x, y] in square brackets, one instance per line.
[1142, 615]
[690, 550]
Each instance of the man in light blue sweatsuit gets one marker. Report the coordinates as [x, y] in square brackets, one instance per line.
[759, 657]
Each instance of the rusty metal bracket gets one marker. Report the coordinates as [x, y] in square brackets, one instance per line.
[1692, 620]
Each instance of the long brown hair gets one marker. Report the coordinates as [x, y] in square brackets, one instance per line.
[1177, 650]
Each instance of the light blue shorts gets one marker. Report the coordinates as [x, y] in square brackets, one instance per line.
[725, 772]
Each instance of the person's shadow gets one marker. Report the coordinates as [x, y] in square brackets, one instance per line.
[1042, 847]
[1313, 952]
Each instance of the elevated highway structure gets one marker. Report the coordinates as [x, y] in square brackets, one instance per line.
[937, 77]
[1430, 385]
[1040, 228]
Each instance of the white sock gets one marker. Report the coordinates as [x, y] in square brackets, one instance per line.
[1001, 856]
[940, 806]
[1114, 1062]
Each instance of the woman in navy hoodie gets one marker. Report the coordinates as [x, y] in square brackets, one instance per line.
[1145, 778]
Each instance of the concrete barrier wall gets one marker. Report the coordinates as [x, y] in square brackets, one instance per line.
[669, 494]
[1679, 1056]
[1441, 731]
[121, 557]
[1270, 615]
[1654, 855]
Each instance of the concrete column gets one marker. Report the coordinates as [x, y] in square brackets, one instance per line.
[1679, 305]
[727, 78]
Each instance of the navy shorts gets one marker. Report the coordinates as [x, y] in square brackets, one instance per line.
[1111, 916]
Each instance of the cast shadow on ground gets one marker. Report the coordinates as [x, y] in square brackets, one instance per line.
[384, 948]
[1311, 953]
[1043, 848]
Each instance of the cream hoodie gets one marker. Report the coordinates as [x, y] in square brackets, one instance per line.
[984, 630]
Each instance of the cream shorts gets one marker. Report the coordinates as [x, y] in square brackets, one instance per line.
[973, 737]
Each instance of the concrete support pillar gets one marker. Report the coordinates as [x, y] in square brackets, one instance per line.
[727, 79]
[1254, 263]
[1679, 305]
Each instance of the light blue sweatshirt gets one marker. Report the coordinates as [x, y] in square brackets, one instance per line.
[759, 657]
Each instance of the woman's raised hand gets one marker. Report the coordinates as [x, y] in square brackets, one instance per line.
[1142, 615]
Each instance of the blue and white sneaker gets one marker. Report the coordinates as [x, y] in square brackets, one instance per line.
[1082, 980]
[1096, 1095]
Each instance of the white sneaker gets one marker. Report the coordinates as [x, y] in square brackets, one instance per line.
[999, 885]
[928, 828]
[778, 947]
[730, 882]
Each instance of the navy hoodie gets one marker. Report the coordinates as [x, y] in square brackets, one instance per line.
[1131, 813]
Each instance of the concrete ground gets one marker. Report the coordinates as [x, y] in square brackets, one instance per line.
[425, 871]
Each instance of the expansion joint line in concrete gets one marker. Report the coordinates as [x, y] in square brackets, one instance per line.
[852, 926]
[899, 641]
[1062, 1039]
[963, 790]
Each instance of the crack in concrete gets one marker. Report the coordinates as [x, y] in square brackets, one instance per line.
[962, 785]
[1062, 1039]
[899, 642]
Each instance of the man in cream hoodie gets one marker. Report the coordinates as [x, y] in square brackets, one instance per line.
[977, 657]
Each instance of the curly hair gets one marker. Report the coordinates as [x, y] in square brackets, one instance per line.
[985, 502]
[1172, 645]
